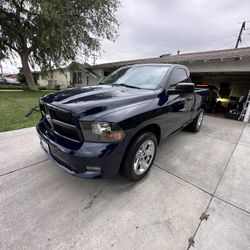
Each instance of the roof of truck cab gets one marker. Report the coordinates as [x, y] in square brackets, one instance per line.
[151, 64]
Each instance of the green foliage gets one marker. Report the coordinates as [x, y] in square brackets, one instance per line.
[20, 76]
[8, 86]
[52, 32]
[57, 87]
[44, 88]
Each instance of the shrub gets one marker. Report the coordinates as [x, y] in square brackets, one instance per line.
[57, 87]
[21, 77]
[9, 86]
[42, 87]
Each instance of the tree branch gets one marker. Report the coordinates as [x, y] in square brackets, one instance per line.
[12, 47]
[16, 4]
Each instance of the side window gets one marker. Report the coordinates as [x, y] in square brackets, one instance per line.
[177, 76]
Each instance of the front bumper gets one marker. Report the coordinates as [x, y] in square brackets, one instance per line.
[104, 158]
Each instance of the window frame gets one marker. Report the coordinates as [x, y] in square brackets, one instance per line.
[79, 80]
[170, 86]
[162, 83]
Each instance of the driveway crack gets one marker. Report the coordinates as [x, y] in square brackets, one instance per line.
[191, 240]
[92, 201]
[19, 169]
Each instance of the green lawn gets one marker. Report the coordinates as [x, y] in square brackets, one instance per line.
[14, 105]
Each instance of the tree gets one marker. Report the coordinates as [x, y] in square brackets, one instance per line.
[49, 33]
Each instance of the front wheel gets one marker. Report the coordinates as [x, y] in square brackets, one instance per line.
[195, 125]
[139, 157]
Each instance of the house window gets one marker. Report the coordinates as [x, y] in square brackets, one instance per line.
[77, 77]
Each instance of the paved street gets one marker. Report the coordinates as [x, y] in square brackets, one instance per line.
[42, 207]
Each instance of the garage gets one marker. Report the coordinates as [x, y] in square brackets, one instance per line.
[225, 72]
[229, 91]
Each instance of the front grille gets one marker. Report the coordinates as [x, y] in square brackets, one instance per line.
[70, 133]
[64, 117]
[61, 123]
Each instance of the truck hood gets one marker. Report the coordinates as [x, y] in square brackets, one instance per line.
[96, 101]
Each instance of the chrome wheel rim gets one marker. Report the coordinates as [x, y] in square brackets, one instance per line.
[199, 122]
[144, 157]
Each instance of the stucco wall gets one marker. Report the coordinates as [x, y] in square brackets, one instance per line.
[56, 76]
[95, 81]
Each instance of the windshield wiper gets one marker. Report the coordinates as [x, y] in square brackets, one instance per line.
[126, 85]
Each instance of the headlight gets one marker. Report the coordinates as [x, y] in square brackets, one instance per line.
[101, 132]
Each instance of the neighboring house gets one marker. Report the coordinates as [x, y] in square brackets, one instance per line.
[230, 67]
[75, 74]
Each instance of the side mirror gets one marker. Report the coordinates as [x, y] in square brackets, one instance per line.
[185, 87]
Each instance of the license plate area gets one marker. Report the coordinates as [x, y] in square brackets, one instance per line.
[45, 146]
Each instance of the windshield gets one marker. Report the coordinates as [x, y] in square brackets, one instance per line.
[144, 77]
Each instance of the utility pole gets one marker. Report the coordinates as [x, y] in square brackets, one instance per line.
[239, 36]
[1, 69]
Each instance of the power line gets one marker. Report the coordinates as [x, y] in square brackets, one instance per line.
[197, 40]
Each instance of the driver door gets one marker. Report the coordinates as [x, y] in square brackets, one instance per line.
[185, 100]
[178, 105]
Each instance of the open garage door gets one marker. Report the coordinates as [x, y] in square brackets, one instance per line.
[228, 91]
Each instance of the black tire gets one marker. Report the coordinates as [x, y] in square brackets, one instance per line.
[195, 125]
[127, 168]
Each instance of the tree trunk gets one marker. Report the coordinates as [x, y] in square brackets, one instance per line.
[27, 72]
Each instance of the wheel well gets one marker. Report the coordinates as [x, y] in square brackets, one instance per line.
[154, 128]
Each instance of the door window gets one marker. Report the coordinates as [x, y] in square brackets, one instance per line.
[177, 76]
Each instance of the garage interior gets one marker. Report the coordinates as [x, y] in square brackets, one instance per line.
[238, 84]
[228, 91]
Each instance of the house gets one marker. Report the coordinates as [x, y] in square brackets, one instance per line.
[75, 74]
[230, 67]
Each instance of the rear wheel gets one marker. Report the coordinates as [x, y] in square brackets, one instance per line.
[139, 157]
[195, 125]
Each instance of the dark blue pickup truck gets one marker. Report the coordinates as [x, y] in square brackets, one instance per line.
[116, 126]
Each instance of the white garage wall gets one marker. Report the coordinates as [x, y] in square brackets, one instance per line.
[227, 65]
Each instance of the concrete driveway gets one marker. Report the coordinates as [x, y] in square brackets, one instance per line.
[206, 173]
